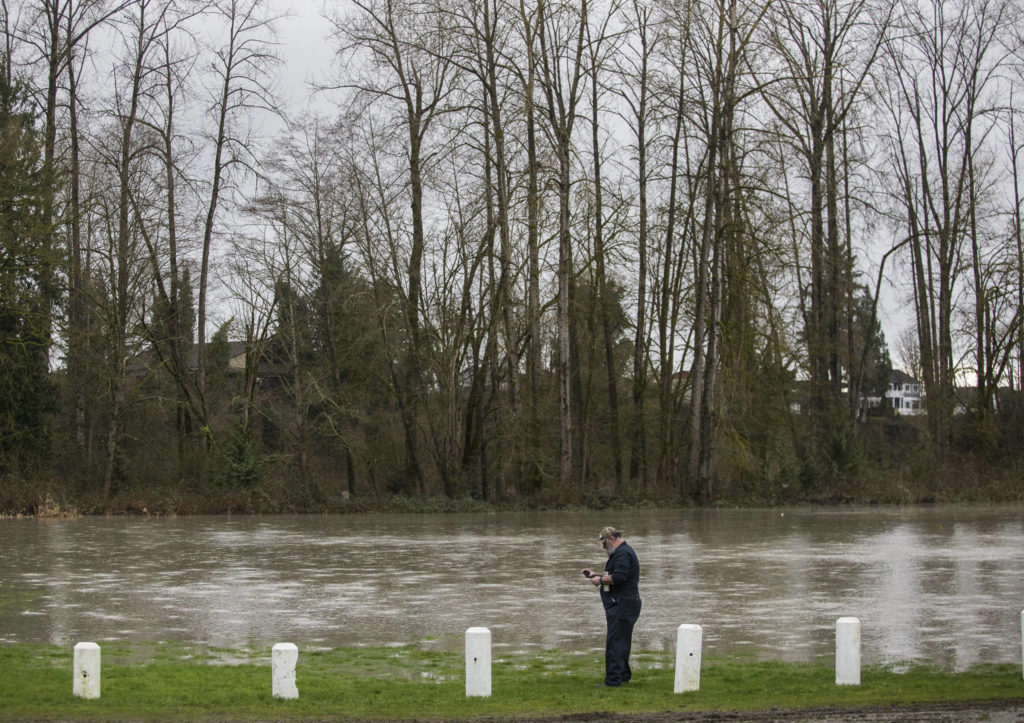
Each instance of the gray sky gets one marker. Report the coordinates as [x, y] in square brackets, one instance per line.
[308, 55]
[304, 47]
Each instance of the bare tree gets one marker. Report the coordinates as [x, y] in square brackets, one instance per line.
[58, 32]
[408, 72]
[529, 18]
[941, 69]
[172, 327]
[987, 36]
[485, 49]
[636, 91]
[674, 98]
[721, 38]
[144, 26]
[1017, 235]
[56, 29]
[826, 51]
[244, 61]
[561, 33]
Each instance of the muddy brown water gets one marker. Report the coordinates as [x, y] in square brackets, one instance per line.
[943, 585]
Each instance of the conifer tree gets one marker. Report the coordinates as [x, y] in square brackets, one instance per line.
[27, 284]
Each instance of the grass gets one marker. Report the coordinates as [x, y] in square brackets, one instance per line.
[175, 682]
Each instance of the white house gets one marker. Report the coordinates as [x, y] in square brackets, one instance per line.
[905, 394]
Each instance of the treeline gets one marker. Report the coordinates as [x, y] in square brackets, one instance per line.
[534, 250]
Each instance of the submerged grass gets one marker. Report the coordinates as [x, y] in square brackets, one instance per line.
[165, 681]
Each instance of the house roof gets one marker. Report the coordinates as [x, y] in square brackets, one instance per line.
[235, 349]
[898, 377]
[268, 366]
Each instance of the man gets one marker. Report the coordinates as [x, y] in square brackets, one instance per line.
[620, 595]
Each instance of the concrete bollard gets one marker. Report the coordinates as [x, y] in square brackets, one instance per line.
[688, 644]
[87, 671]
[848, 651]
[283, 658]
[478, 662]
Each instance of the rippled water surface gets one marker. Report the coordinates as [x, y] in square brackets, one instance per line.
[944, 585]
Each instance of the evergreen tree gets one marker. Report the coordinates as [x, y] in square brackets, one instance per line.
[869, 365]
[27, 284]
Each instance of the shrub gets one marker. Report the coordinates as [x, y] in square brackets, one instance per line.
[235, 464]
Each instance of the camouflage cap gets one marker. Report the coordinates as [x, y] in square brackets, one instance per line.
[609, 532]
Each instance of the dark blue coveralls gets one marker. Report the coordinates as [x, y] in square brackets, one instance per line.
[621, 602]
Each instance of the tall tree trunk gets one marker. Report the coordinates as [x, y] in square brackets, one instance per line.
[603, 300]
[77, 322]
[123, 258]
[561, 113]
[638, 458]
[698, 441]
[413, 374]
[533, 360]
[667, 466]
[220, 144]
[1018, 237]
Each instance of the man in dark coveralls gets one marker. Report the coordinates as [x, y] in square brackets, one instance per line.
[620, 595]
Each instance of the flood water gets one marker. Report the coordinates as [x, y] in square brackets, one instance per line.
[943, 585]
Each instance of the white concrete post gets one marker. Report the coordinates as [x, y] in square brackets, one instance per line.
[283, 658]
[688, 644]
[1022, 642]
[87, 671]
[848, 651]
[478, 662]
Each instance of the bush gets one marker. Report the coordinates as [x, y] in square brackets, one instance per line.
[235, 463]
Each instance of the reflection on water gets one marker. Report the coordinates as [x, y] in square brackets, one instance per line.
[939, 584]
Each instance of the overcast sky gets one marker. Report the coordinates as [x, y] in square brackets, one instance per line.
[304, 47]
[308, 54]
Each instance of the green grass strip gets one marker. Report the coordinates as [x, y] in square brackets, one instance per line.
[180, 683]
